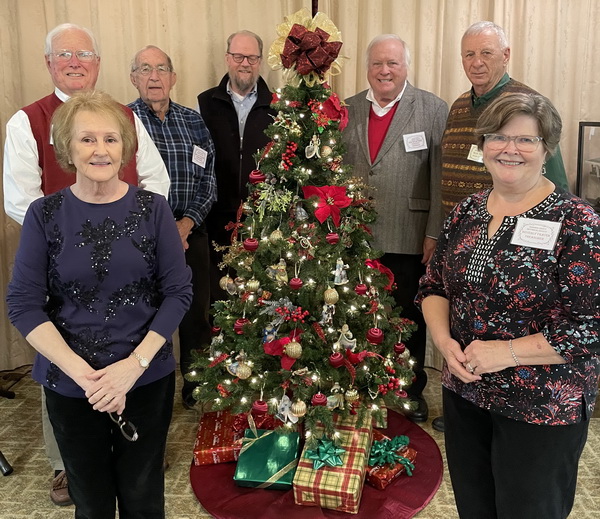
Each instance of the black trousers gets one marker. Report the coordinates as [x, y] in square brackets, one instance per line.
[507, 469]
[195, 328]
[102, 466]
[408, 269]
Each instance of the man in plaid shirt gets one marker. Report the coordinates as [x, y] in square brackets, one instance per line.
[186, 147]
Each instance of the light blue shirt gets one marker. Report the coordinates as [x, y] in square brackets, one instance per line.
[243, 105]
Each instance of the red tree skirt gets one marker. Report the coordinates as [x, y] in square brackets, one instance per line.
[402, 499]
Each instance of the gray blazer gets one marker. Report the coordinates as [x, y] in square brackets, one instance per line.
[406, 186]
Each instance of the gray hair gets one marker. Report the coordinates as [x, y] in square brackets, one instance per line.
[485, 26]
[385, 37]
[134, 65]
[63, 27]
[247, 33]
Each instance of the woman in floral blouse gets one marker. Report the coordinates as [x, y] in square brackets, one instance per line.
[512, 300]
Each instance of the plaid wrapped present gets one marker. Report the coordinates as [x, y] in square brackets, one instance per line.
[339, 487]
[219, 437]
[382, 474]
[268, 459]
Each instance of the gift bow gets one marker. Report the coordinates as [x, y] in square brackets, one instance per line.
[326, 453]
[386, 452]
[309, 51]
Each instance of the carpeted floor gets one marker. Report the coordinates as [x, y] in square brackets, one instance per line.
[24, 494]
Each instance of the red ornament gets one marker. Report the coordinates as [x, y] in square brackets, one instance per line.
[251, 244]
[332, 238]
[259, 407]
[216, 330]
[399, 348]
[319, 399]
[336, 359]
[401, 393]
[375, 336]
[296, 283]
[361, 289]
[256, 176]
[238, 327]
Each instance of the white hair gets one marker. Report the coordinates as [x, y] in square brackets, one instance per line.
[385, 37]
[63, 27]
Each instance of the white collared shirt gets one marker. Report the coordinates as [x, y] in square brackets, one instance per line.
[377, 108]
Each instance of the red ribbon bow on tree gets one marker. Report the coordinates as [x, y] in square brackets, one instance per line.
[277, 347]
[331, 200]
[309, 50]
[376, 264]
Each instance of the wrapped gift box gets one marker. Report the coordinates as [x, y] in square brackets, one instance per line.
[338, 488]
[381, 476]
[268, 459]
[219, 437]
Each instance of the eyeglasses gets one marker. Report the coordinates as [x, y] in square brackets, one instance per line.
[146, 70]
[526, 143]
[239, 58]
[128, 430]
[82, 55]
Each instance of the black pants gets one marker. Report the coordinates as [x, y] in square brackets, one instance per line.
[507, 469]
[102, 466]
[408, 269]
[195, 328]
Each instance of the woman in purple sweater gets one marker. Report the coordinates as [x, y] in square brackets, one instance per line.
[99, 286]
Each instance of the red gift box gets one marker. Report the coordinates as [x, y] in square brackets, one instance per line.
[220, 433]
[381, 476]
[219, 437]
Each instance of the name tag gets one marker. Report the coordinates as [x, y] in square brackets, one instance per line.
[415, 141]
[199, 156]
[539, 234]
[475, 154]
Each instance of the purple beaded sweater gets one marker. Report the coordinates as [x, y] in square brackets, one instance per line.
[104, 274]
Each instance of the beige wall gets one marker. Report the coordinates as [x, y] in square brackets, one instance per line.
[553, 43]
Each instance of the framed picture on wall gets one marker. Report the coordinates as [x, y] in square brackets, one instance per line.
[588, 163]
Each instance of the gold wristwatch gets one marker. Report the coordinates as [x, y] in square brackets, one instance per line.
[144, 362]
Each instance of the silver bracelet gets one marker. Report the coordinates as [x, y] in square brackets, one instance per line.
[512, 352]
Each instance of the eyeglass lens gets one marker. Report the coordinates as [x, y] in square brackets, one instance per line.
[128, 430]
[82, 55]
[239, 58]
[525, 143]
[146, 70]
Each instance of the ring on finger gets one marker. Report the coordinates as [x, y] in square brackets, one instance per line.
[108, 400]
[471, 368]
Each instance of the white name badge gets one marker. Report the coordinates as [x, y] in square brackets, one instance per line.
[415, 141]
[539, 234]
[199, 156]
[475, 154]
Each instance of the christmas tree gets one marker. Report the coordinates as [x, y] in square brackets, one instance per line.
[309, 328]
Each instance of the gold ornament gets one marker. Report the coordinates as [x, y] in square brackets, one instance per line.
[293, 349]
[253, 285]
[247, 209]
[275, 236]
[351, 395]
[331, 296]
[298, 408]
[326, 151]
[243, 371]
[224, 282]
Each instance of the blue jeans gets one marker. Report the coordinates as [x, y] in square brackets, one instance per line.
[103, 468]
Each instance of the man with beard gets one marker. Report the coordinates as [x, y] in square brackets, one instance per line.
[236, 112]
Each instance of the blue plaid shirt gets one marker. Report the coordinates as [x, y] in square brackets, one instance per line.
[193, 188]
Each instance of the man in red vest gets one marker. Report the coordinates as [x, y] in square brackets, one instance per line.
[31, 171]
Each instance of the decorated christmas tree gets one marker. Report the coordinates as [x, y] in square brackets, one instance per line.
[309, 328]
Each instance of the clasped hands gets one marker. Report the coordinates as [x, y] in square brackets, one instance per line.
[477, 358]
[106, 389]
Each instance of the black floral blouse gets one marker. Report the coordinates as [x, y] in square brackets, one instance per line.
[499, 291]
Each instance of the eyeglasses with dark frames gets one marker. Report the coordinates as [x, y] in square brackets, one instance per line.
[253, 59]
[526, 143]
[82, 55]
[128, 430]
[146, 70]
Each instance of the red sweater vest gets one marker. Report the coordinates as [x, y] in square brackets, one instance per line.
[378, 128]
[53, 177]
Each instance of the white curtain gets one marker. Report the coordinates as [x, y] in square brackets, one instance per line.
[552, 45]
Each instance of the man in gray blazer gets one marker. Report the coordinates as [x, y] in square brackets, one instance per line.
[393, 142]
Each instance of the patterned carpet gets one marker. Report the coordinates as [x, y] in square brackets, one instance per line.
[24, 494]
